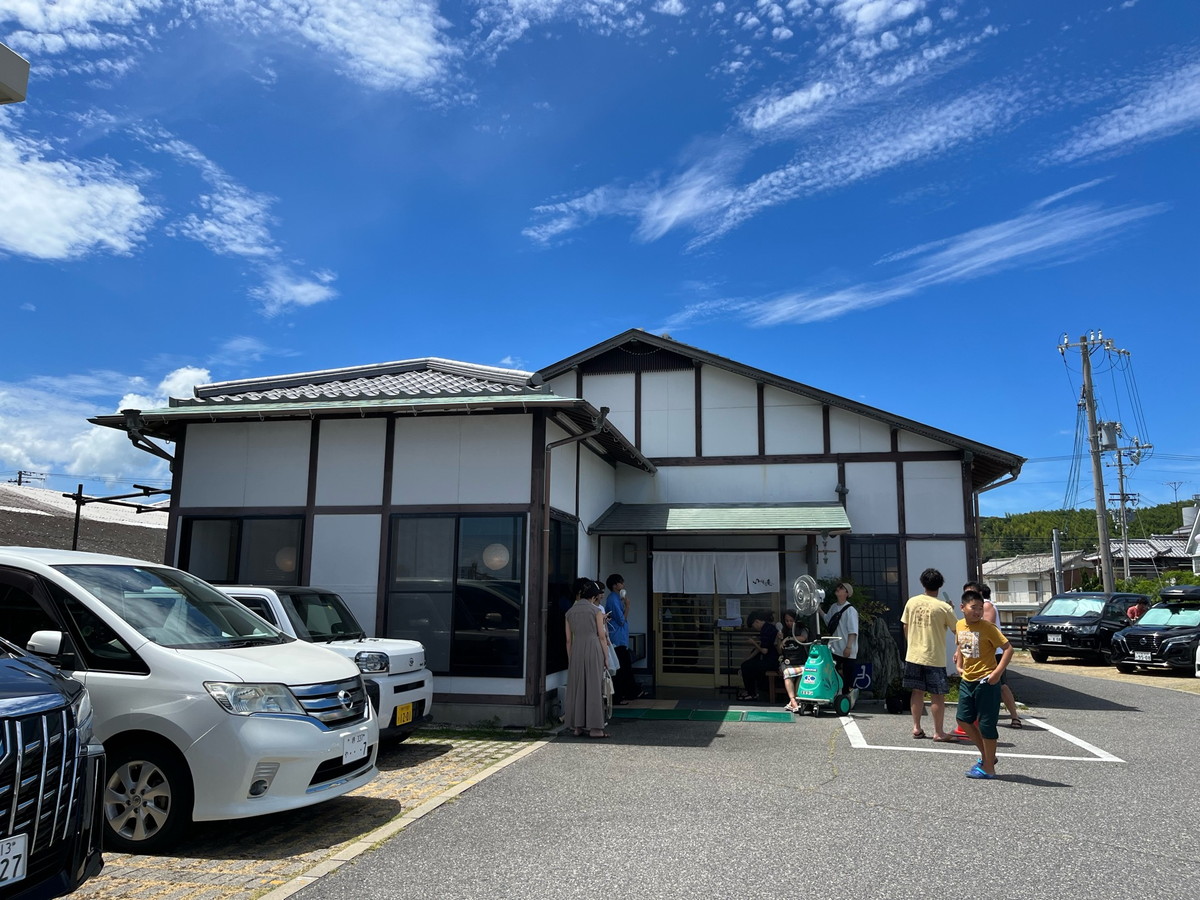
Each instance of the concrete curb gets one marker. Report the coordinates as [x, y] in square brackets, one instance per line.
[384, 832]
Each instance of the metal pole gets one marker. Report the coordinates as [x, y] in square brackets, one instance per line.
[78, 510]
[1058, 572]
[1124, 515]
[1089, 402]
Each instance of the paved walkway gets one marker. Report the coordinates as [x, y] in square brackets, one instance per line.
[275, 855]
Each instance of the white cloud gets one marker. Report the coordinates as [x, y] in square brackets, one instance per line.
[1170, 104]
[870, 16]
[1045, 234]
[44, 428]
[283, 290]
[59, 208]
[670, 7]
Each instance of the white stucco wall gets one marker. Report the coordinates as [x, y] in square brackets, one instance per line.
[345, 559]
[668, 414]
[852, 433]
[872, 504]
[245, 464]
[729, 413]
[597, 487]
[617, 393]
[462, 459]
[350, 462]
[907, 442]
[933, 498]
[793, 423]
[562, 470]
[800, 482]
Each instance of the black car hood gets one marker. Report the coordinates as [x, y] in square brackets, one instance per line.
[1172, 630]
[1064, 620]
[29, 684]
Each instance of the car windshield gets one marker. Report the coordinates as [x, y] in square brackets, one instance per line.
[1073, 606]
[1172, 615]
[320, 616]
[173, 608]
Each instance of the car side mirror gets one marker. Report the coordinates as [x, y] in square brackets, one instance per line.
[45, 643]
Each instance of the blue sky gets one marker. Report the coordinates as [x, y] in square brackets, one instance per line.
[905, 202]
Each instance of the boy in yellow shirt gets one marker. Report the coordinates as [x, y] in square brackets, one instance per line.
[979, 691]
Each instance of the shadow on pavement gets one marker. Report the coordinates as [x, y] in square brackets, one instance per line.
[1033, 691]
[1031, 781]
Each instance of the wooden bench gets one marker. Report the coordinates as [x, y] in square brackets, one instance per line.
[774, 685]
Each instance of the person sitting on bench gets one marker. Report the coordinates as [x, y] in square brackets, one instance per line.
[762, 659]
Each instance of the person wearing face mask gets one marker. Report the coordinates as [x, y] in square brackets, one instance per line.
[625, 687]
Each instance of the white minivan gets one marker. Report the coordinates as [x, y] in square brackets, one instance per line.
[205, 711]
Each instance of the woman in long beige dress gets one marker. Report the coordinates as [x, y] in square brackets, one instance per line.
[587, 654]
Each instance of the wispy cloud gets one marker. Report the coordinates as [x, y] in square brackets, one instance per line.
[1045, 234]
[236, 221]
[43, 422]
[1168, 105]
[53, 207]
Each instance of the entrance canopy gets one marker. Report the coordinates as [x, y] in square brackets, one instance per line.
[722, 518]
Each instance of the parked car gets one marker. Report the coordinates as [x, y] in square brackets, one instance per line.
[399, 685]
[1079, 624]
[1167, 636]
[51, 775]
[206, 711]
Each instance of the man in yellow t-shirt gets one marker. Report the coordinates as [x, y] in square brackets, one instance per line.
[926, 619]
[977, 641]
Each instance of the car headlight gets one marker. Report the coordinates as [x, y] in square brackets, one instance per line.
[82, 709]
[1086, 629]
[251, 699]
[371, 662]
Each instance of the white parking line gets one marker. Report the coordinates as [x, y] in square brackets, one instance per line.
[859, 742]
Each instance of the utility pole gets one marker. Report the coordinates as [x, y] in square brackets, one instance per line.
[1175, 486]
[1085, 345]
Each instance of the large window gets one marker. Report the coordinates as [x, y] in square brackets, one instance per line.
[875, 564]
[457, 585]
[564, 564]
[258, 550]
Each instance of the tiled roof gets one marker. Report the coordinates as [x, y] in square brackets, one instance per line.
[1031, 564]
[721, 518]
[1155, 547]
[430, 377]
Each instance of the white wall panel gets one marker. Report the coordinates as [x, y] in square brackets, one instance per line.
[563, 385]
[246, 464]
[617, 393]
[350, 462]
[668, 414]
[562, 470]
[597, 487]
[933, 498]
[345, 559]
[462, 459]
[906, 440]
[852, 433]
[949, 558]
[872, 504]
[729, 413]
[800, 482]
[794, 424]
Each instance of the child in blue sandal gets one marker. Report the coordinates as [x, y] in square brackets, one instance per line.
[977, 643]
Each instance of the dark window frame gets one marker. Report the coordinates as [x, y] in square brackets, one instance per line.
[236, 563]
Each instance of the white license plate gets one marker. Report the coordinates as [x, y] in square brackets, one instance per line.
[12, 858]
[403, 714]
[1054, 639]
[1141, 656]
[354, 746]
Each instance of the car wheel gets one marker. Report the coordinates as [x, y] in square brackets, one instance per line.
[147, 798]
[1126, 669]
[1038, 656]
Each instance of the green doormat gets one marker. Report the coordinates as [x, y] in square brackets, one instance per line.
[716, 715]
[752, 716]
[702, 715]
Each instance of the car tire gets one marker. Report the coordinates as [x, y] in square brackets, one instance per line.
[1038, 656]
[1125, 668]
[147, 798]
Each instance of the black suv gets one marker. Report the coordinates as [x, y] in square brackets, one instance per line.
[1079, 624]
[51, 774]
[1165, 637]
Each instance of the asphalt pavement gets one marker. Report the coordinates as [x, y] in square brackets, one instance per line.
[1097, 798]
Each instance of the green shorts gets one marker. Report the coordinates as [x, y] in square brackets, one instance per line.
[979, 701]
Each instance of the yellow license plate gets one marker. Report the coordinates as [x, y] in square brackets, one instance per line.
[403, 714]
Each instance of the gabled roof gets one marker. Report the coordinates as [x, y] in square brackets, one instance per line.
[1032, 564]
[635, 347]
[407, 387]
[1168, 547]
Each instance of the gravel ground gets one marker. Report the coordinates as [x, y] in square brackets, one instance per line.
[36, 517]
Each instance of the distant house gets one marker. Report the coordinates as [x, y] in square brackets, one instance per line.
[1021, 584]
[1193, 542]
[455, 503]
[1148, 557]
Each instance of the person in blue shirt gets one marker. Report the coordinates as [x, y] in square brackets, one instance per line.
[625, 687]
